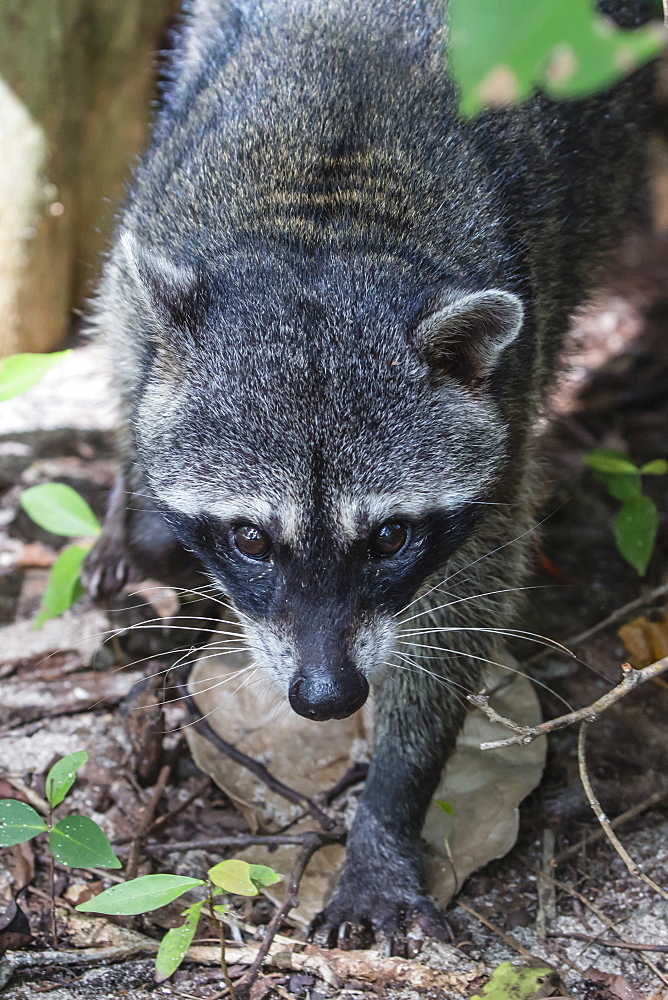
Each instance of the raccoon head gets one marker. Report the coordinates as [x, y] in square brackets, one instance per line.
[322, 442]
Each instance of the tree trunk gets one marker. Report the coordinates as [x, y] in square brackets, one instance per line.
[76, 81]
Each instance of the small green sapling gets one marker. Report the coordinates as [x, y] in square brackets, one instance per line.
[53, 506]
[58, 508]
[637, 521]
[76, 841]
[149, 892]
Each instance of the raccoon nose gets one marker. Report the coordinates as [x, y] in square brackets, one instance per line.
[315, 695]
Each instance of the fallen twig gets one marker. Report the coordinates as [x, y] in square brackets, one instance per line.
[506, 938]
[18, 961]
[221, 931]
[607, 943]
[145, 822]
[181, 807]
[631, 678]
[592, 838]
[618, 615]
[547, 898]
[599, 916]
[310, 846]
[356, 773]
[31, 797]
[254, 766]
[633, 868]
[242, 840]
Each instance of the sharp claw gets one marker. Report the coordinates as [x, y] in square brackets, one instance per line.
[343, 934]
[344, 924]
[434, 925]
[413, 947]
[93, 582]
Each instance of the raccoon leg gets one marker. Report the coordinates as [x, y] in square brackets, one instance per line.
[381, 891]
[420, 708]
[136, 542]
[107, 567]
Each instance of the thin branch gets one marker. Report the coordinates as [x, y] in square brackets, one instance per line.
[221, 932]
[31, 797]
[356, 773]
[547, 897]
[600, 916]
[254, 766]
[145, 822]
[633, 868]
[606, 943]
[506, 938]
[592, 838]
[22, 961]
[181, 807]
[314, 843]
[246, 840]
[52, 885]
[631, 678]
[618, 615]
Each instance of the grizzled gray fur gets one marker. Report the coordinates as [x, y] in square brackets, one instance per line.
[334, 310]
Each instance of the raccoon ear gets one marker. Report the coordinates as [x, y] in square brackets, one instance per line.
[171, 290]
[466, 336]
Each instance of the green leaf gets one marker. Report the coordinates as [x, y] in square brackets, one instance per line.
[20, 372]
[499, 52]
[18, 822]
[658, 467]
[234, 876]
[262, 876]
[61, 777]
[64, 586]
[140, 895]
[176, 942]
[516, 982]
[445, 806]
[635, 527]
[607, 460]
[621, 485]
[58, 508]
[78, 841]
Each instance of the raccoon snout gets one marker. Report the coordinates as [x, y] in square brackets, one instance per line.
[316, 695]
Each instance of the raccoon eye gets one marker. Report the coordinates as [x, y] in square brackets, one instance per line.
[252, 541]
[388, 539]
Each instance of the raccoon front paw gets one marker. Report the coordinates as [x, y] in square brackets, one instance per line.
[358, 917]
[106, 568]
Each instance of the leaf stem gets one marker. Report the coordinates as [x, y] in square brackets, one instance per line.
[52, 884]
[223, 961]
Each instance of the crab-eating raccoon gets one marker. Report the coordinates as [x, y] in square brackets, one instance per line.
[334, 308]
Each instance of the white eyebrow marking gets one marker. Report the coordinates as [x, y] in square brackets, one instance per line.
[289, 514]
[247, 508]
[242, 507]
[226, 508]
[356, 515]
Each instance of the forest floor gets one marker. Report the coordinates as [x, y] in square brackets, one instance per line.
[581, 913]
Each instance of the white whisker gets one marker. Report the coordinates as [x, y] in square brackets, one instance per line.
[474, 562]
[513, 633]
[495, 663]
[194, 722]
[218, 681]
[413, 666]
[471, 597]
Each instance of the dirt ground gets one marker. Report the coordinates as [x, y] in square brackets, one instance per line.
[62, 689]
